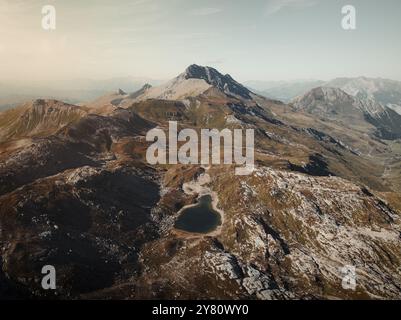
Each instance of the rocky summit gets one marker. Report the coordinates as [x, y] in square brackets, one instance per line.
[318, 218]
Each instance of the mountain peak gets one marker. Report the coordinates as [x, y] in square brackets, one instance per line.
[146, 86]
[141, 91]
[326, 102]
[213, 77]
[39, 117]
[323, 94]
[335, 104]
[195, 71]
[194, 81]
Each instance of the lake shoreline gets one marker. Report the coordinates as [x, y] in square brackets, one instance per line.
[198, 187]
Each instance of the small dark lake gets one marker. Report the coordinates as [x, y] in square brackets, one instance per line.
[201, 218]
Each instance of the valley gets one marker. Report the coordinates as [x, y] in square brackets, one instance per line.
[77, 192]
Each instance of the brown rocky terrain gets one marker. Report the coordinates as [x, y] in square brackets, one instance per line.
[77, 193]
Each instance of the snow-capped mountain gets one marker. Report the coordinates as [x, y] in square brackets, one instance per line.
[336, 104]
[384, 91]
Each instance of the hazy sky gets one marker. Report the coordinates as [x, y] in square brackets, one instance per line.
[251, 40]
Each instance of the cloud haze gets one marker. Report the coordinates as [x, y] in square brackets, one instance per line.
[267, 40]
[205, 11]
[274, 6]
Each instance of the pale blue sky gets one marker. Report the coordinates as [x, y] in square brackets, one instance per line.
[252, 40]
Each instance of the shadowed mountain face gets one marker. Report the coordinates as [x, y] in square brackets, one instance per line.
[224, 83]
[76, 192]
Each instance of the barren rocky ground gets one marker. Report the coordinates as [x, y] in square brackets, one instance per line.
[77, 193]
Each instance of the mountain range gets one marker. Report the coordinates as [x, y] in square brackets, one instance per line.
[77, 192]
[336, 104]
[384, 91]
[75, 91]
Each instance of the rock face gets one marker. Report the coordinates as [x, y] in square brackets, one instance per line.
[83, 198]
[383, 91]
[311, 227]
[37, 118]
[223, 82]
[335, 104]
[141, 91]
[324, 100]
[194, 81]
